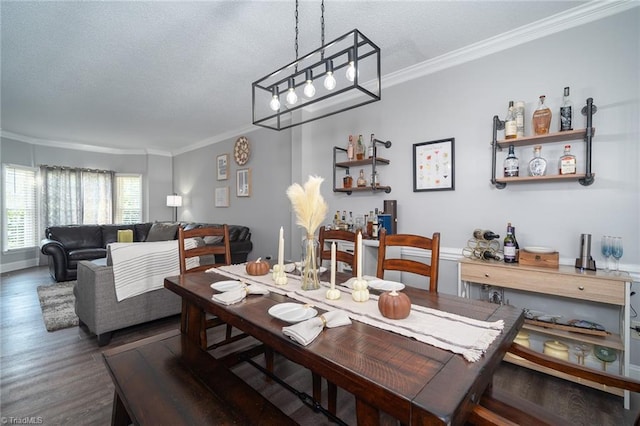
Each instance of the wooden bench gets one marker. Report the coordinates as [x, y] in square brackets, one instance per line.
[167, 379]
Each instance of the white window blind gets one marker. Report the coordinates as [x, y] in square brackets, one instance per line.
[20, 208]
[128, 199]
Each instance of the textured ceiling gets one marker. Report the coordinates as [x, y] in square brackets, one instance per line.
[165, 75]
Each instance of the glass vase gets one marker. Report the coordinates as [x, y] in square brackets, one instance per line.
[310, 263]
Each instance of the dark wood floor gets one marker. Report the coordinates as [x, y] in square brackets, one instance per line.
[60, 376]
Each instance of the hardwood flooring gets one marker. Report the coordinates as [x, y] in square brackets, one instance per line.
[59, 378]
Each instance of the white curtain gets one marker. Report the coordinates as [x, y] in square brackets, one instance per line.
[74, 196]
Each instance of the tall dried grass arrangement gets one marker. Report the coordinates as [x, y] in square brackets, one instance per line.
[308, 204]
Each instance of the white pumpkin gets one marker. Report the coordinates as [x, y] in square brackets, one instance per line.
[280, 279]
[360, 284]
[360, 295]
[333, 294]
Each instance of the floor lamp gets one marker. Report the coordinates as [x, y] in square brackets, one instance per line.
[174, 201]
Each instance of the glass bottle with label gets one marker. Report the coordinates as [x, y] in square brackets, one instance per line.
[519, 113]
[371, 150]
[359, 149]
[509, 246]
[375, 179]
[566, 112]
[347, 180]
[511, 164]
[361, 182]
[541, 118]
[510, 128]
[350, 149]
[537, 165]
[567, 163]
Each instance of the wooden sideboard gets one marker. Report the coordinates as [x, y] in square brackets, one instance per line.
[566, 282]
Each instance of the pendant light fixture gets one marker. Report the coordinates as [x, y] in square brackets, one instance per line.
[340, 75]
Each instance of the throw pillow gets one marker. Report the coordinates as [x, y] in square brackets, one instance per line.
[162, 232]
[212, 240]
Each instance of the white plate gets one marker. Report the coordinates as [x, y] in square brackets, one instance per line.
[383, 285]
[541, 250]
[292, 312]
[228, 285]
[321, 270]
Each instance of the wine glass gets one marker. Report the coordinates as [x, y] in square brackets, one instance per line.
[605, 246]
[616, 251]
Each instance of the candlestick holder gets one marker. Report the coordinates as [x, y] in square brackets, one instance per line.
[278, 275]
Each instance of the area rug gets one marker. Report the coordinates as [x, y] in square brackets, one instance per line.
[57, 304]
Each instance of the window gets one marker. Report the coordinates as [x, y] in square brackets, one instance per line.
[128, 199]
[20, 208]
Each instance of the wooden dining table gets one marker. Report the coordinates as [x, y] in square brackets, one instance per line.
[414, 382]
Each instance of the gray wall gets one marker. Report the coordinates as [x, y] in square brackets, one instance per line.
[153, 167]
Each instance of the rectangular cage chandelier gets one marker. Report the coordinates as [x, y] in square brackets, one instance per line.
[341, 75]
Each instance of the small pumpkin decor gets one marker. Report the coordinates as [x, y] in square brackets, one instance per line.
[258, 267]
[394, 305]
[360, 291]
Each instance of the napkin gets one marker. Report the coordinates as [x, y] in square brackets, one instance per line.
[306, 331]
[235, 296]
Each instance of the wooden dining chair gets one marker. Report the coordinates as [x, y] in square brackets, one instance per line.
[325, 238]
[498, 407]
[387, 263]
[207, 254]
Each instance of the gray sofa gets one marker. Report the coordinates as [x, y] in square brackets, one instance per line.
[97, 306]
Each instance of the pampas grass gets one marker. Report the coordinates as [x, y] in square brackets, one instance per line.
[308, 204]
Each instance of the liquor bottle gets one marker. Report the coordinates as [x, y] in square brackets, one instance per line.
[485, 234]
[359, 149]
[375, 179]
[336, 220]
[519, 113]
[510, 127]
[344, 218]
[347, 180]
[350, 222]
[537, 165]
[567, 163]
[350, 149]
[541, 118]
[370, 224]
[509, 246]
[371, 150]
[361, 182]
[566, 112]
[511, 164]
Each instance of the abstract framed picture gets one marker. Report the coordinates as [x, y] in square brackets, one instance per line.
[434, 165]
[222, 162]
[243, 183]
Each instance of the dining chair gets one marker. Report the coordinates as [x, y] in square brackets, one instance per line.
[207, 255]
[387, 263]
[325, 239]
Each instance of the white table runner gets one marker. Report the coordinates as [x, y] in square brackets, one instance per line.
[455, 333]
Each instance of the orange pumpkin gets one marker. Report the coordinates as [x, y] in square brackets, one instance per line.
[394, 305]
[257, 268]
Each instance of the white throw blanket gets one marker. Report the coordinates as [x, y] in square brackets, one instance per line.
[142, 267]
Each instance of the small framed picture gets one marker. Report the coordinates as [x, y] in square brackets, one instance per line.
[222, 162]
[243, 183]
[222, 197]
[433, 165]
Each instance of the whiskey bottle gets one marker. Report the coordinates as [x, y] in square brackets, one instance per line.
[511, 164]
[541, 118]
[347, 180]
[510, 127]
[519, 113]
[509, 246]
[350, 149]
[537, 165]
[567, 163]
[361, 182]
[566, 112]
[359, 149]
[371, 150]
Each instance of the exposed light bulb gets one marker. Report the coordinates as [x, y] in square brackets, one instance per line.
[292, 97]
[330, 81]
[351, 71]
[275, 103]
[309, 90]
[275, 99]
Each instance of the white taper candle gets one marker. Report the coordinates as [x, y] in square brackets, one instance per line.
[281, 248]
[359, 260]
[333, 265]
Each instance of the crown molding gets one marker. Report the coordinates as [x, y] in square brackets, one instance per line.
[216, 139]
[82, 147]
[562, 21]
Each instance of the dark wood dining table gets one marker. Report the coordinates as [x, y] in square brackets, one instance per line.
[414, 382]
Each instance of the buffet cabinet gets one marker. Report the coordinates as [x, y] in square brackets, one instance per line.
[567, 282]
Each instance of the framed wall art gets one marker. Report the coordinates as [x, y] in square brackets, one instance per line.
[243, 183]
[434, 165]
[222, 197]
[222, 162]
